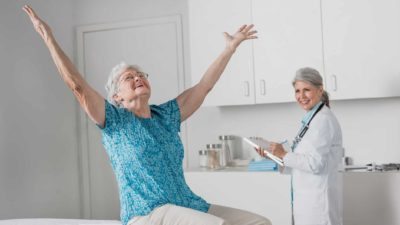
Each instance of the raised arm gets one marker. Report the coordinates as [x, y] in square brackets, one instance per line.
[91, 101]
[191, 99]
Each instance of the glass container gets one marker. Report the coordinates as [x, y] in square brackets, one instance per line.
[203, 158]
[213, 156]
[226, 153]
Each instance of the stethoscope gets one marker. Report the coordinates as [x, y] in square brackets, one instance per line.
[304, 129]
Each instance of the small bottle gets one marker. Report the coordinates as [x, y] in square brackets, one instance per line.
[213, 156]
[203, 158]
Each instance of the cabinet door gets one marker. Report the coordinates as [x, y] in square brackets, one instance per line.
[290, 38]
[264, 193]
[208, 19]
[362, 48]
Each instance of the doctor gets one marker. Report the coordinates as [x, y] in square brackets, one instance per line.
[315, 156]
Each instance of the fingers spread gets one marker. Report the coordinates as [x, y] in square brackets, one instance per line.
[247, 28]
[241, 28]
[249, 34]
[252, 32]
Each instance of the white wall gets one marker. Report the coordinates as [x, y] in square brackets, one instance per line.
[39, 170]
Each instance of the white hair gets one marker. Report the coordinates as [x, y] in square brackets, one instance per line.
[313, 77]
[112, 86]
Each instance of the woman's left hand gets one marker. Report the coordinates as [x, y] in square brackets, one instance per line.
[277, 149]
[245, 32]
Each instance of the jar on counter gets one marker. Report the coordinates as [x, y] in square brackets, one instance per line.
[226, 154]
[203, 158]
[213, 156]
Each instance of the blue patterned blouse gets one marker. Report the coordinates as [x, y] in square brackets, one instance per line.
[146, 155]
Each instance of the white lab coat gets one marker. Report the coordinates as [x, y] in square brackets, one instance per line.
[317, 184]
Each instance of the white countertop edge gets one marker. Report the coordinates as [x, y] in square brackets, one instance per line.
[245, 169]
[226, 169]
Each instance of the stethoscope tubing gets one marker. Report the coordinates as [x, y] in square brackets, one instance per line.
[304, 129]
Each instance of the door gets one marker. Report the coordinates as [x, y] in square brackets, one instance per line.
[153, 44]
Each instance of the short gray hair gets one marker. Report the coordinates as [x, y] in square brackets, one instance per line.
[312, 76]
[112, 86]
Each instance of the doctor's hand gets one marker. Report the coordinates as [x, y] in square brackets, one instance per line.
[261, 152]
[277, 149]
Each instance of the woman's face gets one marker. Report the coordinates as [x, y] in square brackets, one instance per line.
[307, 95]
[132, 86]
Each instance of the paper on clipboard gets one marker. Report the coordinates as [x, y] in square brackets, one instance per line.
[263, 144]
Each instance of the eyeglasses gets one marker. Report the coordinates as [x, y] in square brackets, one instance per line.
[131, 76]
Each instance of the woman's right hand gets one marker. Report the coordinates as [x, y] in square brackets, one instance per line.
[41, 27]
[90, 101]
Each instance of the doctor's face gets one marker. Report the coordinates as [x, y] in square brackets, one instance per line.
[307, 95]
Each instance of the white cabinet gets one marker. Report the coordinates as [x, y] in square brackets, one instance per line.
[208, 19]
[264, 193]
[355, 44]
[371, 198]
[261, 71]
[362, 48]
[289, 38]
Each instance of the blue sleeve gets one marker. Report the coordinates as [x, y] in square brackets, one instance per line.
[111, 116]
[172, 114]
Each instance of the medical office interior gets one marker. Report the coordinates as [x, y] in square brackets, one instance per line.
[52, 164]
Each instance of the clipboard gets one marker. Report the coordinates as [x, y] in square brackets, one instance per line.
[263, 144]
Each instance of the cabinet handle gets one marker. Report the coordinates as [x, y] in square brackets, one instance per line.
[334, 82]
[262, 87]
[246, 88]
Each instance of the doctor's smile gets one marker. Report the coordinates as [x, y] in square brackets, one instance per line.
[307, 95]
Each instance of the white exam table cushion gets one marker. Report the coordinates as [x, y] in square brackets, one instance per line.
[40, 221]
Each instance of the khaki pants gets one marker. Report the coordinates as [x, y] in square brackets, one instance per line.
[217, 215]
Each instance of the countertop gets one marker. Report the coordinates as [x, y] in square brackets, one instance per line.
[244, 169]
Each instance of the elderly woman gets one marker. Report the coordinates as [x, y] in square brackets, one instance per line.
[142, 140]
[316, 153]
